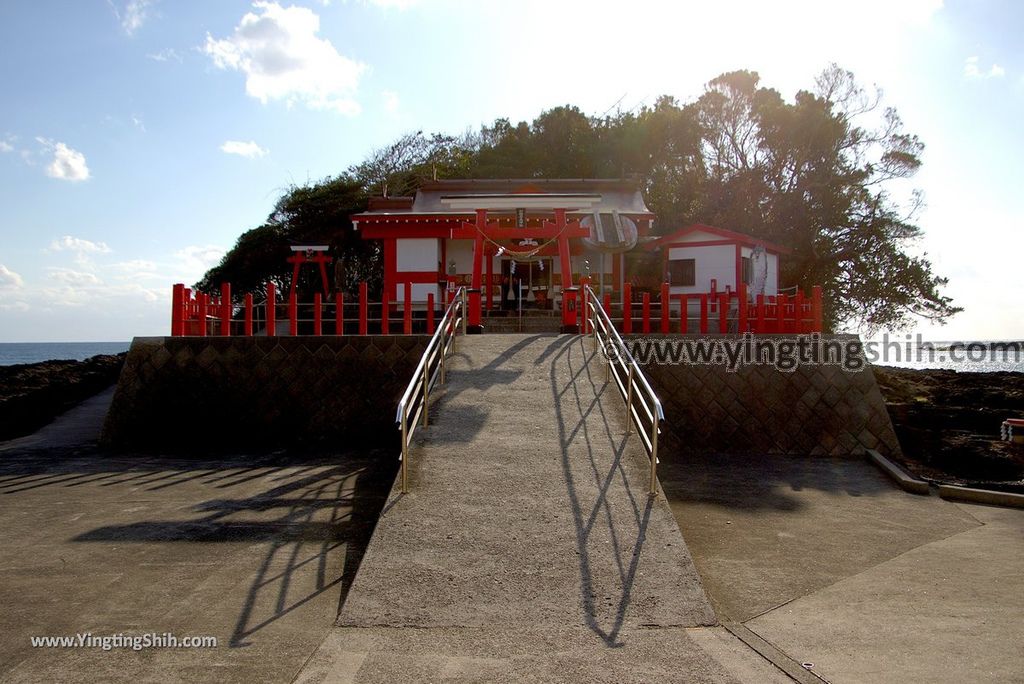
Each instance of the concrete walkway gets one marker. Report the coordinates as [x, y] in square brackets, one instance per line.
[826, 562]
[528, 548]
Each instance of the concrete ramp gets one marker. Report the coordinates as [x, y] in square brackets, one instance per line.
[527, 547]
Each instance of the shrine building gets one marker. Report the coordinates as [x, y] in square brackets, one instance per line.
[526, 242]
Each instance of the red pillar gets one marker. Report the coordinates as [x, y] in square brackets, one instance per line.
[798, 313]
[226, 308]
[271, 310]
[317, 314]
[664, 309]
[490, 280]
[478, 260]
[780, 313]
[364, 308]
[178, 310]
[248, 314]
[723, 312]
[608, 303]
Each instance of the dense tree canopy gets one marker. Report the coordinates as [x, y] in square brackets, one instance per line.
[814, 174]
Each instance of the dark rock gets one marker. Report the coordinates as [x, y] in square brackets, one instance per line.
[33, 394]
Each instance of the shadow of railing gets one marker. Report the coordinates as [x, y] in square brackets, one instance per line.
[303, 510]
[587, 516]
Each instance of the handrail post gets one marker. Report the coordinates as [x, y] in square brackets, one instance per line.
[465, 321]
[405, 449]
[426, 389]
[444, 347]
[654, 456]
[629, 402]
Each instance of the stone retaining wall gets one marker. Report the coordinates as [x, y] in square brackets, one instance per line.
[815, 409]
[197, 394]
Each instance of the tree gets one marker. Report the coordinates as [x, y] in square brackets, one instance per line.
[814, 174]
[809, 176]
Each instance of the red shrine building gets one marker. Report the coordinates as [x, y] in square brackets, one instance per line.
[527, 242]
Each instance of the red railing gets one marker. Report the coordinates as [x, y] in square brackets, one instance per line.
[203, 315]
[715, 312]
[200, 314]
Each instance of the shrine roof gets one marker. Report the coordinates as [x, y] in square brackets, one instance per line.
[462, 197]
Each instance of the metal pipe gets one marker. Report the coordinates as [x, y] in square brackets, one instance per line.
[405, 449]
[654, 458]
[426, 390]
[629, 401]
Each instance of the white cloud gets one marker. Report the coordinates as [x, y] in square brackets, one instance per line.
[71, 278]
[132, 15]
[391, 101]
[9, 280]
[6, 146]
[282, 58]
[68, 164]
[137, 122]
[165, 55]
[250, 149]
[197, 260]
[394, 4]
[69, 243]
[972, 70]
[137, 269]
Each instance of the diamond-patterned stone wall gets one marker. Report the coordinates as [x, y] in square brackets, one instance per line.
[198, 394]
[815, 409]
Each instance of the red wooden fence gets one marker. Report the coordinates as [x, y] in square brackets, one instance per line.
[200, 314]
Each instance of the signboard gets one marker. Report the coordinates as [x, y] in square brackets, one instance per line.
[520, 218]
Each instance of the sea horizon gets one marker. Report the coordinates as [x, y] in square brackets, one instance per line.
[15, 353]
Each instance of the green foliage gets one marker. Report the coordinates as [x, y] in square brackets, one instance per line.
[813, 174]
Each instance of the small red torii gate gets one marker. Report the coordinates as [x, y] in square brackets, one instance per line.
[309, 254]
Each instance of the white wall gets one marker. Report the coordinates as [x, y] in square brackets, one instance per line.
[419, 293]
[714, 261]
[771, 285]
[461, 252]
[417, 254]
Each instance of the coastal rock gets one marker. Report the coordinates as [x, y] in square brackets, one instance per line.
[33, 394]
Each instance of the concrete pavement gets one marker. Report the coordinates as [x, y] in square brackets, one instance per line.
[527, 548]
[833, 565]
[823, 560]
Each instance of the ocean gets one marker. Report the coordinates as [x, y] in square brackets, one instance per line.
[981, 356]
[12, 353]
[975, 357]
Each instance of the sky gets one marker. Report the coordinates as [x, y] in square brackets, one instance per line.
[140, 138]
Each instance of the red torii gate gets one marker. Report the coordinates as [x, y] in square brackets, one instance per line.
[309, 254]
[559, 229]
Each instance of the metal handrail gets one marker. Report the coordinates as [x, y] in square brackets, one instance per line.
[630, 380]
[415, 400]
